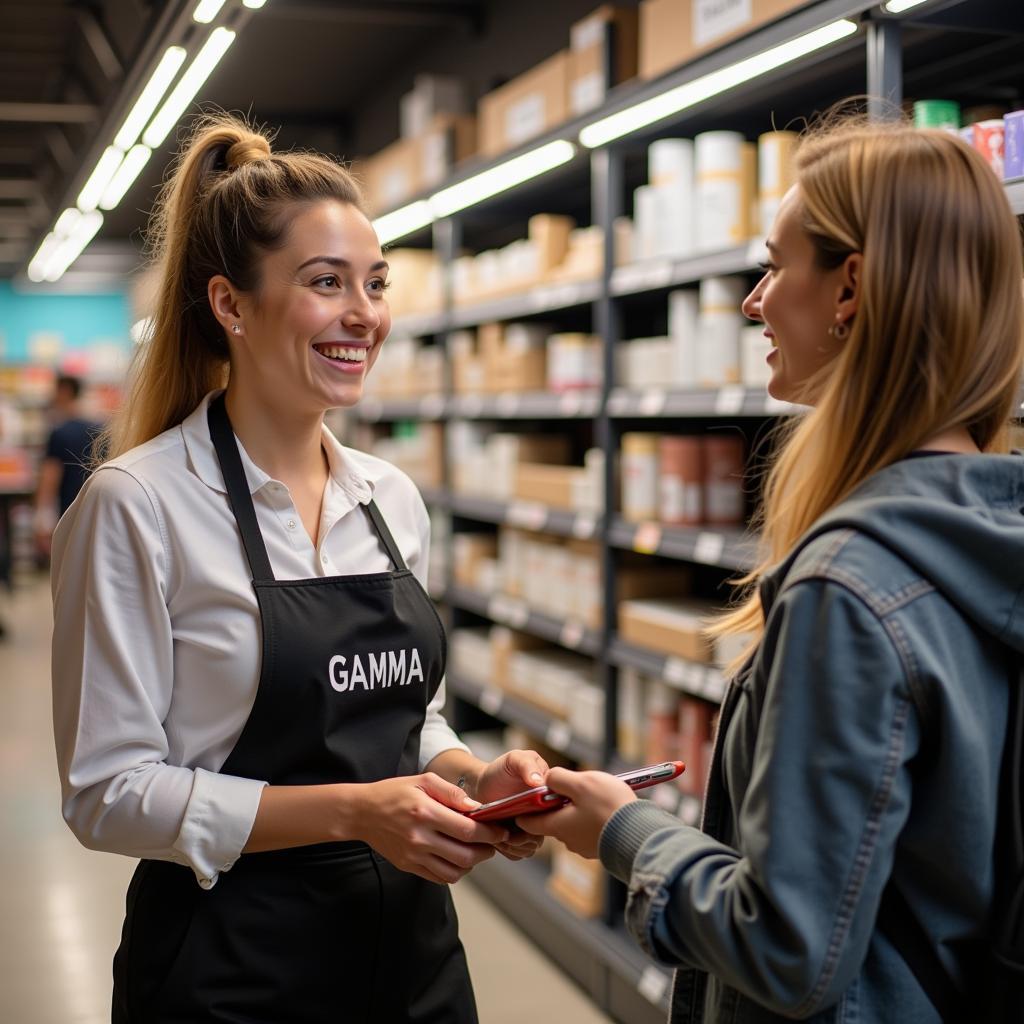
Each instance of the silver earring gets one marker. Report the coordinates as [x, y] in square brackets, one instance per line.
[840, 330]
[236, 328]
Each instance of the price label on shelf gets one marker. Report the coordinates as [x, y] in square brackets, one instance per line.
[584, 526]
[471, 405]
[527, 515]
[491, 701]
[713, 687]
[570, 404]
[507, 405]
[618, 402]
[647, 538]
[432, 407]
[729, 400]
[652, 402]
[558, 736]
[676, 671]
[572, 634]
[508, 611]
[657, 274]
[709, 547]
[653, 985]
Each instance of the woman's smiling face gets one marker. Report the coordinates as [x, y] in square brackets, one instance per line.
[314, 326]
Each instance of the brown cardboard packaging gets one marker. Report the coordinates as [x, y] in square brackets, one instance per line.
[602, 53]
[518, 371]
[469, 550]
[576, 882]
[392, 175]
[449, 140]
[525, 107]
[552, 485]
[550, 233]
[669, 35]
[504, 643]
[668, 626]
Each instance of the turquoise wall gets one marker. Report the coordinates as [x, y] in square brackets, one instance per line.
[78, 321]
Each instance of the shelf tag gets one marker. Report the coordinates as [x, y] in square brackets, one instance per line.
[527, 515]
[570, 404]
[653, 985]
[652, 402]
[584, 526]
[559, 736]
[675, 671]
[572, 634]
[491, 701]
[618, 402]
[517, 613]
[471, 406]
[647, 538]
[657, 274]
[709, 547]
[729, 400]
[507, 405]
[713, 687]
[432, 407]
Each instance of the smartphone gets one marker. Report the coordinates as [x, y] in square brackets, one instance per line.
[540, 798]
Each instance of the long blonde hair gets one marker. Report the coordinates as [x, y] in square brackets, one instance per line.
[225, 203]
[938, 338]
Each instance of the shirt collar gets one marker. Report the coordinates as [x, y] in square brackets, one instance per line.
[358, 482]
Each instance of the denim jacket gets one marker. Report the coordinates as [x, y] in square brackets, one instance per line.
[859, 748]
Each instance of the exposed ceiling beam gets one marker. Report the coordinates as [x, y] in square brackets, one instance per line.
[19, 188]
[100, 46]
[17, 154]
[401, 13]
[55, 113]
[59, 147]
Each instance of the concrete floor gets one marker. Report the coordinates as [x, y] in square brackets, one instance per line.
[61, 905]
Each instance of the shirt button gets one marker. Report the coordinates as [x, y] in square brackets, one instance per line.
[291, 524]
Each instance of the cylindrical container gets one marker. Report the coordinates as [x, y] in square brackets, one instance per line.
[723, 480]
[989, 137]
[639, 477]
[670, 162]
[671, 171]
[680, 481]
[683, 317]
[567, 361]
[1013, 145]
[722, 197]
[718, 331]
[937, 114]
[645, 222]
[774, 173]
[754, 349]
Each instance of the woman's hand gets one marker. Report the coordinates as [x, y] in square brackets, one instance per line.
[507, 775]
[595, 797]
[417, 824]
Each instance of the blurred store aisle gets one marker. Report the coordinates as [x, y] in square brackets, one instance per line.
[61, 905]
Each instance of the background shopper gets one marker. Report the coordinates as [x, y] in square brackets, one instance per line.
[247, 669]
[856, 774]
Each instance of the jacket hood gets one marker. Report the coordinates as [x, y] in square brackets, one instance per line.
[958, 520]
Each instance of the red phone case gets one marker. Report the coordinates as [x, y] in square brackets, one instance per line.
[540, 798]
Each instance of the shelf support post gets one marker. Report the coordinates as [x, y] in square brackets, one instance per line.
[885, 69]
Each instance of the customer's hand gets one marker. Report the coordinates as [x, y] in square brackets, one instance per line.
[507, 775]
[417, 824]
[595, 797]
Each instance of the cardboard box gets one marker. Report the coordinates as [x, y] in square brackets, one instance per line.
[416, 282]
[392, 175]
[431, 95]
[504, 643]
[550, 233]
[667, 626]
[529, 105]
[602, 53]
[468, 551]
[450, 139]
[576, 882]
[553, 485]
[673, 32]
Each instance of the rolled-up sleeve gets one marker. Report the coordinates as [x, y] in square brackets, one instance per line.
[787, 916]
[113, 682]
[437, 736]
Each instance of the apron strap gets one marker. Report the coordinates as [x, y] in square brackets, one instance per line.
[239, 496]
[385, 536]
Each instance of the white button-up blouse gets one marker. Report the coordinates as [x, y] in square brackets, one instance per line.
[156, 644]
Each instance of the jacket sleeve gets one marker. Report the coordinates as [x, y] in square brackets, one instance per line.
[787, 916]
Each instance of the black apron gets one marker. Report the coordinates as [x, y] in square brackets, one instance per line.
[324, 933]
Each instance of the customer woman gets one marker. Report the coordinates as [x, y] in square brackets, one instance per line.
[852, 800]
[247, 669]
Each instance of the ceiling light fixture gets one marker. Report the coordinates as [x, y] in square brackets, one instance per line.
[206, 11]
[899, 6]
[131, 167]
[403, 221]
[188, 85]
[698, 90]
[501, 178]
[105, 169]
[71, 247]
[150, 96]
[253, 5]
[37, 268]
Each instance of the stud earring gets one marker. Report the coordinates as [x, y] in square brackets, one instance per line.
[839, 330]
[236, 328]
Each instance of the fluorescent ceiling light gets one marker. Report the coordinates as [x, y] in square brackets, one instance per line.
[403, 221]
[157, 85]
[188, 85]
[67, 222]
[99, 179]
[37, 268]
[253, 5]
[498, 179]
[206, 11]
[691, 93]
[71, 247]
[129, 170]
[899, 6]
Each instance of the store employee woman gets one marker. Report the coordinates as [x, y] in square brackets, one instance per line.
[247, 670]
